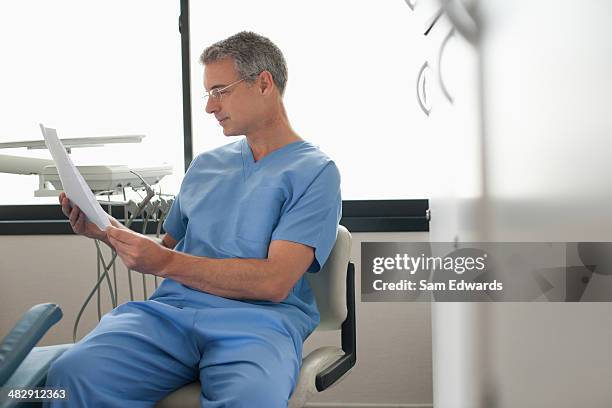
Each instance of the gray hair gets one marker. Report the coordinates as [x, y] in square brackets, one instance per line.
[252, 54]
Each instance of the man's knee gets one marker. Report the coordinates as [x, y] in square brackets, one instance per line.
[75, 363]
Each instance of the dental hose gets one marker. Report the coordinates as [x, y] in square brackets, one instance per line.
[129, 271]
[104, 275]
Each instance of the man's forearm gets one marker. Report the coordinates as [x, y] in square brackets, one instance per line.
[255, 279]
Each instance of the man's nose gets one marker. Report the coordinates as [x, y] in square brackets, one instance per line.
[212, 105]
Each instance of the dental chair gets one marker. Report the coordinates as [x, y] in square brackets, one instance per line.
[22, 366]
[334, 289]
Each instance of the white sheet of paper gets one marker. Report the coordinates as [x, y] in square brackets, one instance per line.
[73, 182]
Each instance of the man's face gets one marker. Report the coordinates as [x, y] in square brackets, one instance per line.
[236, 111]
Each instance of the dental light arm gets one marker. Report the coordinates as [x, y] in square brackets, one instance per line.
[22, 165]
[99, 178]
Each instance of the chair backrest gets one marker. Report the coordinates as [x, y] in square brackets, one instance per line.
[329, 284]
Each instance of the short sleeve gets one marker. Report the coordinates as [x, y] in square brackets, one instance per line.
[313, 218]
[175, 224]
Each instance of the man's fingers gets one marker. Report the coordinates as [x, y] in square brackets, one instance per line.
[77, 224]
[65, 203]
[80, 224]
[74, 215]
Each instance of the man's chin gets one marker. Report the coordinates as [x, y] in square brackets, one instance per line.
[229, 132]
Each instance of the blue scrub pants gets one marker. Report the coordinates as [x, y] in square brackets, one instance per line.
[243, 355]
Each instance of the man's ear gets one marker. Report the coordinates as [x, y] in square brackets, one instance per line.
[266, 83]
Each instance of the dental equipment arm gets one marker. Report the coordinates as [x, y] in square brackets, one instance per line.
[22, 165]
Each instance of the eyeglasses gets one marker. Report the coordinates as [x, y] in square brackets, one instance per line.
[217, 93]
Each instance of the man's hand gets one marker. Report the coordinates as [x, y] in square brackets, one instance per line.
[139, 252]
[78, 220]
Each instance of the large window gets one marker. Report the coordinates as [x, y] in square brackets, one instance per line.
[91, 69]
[353, 69]
[357, 71]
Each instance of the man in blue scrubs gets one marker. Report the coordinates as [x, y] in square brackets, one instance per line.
[250, 219]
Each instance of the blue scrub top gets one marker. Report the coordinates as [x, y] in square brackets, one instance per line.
[230, 206]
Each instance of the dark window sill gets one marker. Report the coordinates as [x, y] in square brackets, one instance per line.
[357, 216]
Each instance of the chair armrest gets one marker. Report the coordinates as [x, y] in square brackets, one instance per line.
[24, 336]
[342, 365]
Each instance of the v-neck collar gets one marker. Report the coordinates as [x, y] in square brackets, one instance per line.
[248, 160]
